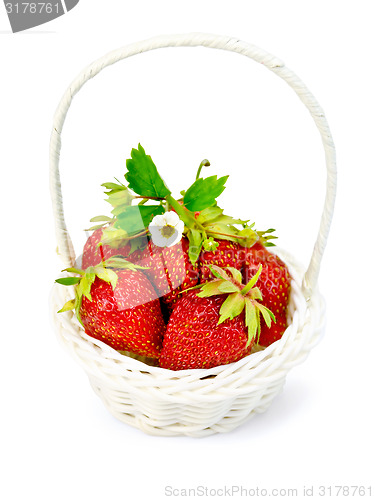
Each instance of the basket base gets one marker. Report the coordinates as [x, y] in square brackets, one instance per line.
[162, 419]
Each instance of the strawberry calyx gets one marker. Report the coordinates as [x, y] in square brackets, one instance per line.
[118, 196]
[115, 238]
[104, 220]
[210, 244]
[86, 278]
[240, 297]
[266, 236]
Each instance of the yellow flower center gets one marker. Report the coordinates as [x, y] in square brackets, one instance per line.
[167, 231]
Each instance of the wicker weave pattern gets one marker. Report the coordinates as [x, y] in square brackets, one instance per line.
[195, 402]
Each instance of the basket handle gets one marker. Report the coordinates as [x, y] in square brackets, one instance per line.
[65, 247]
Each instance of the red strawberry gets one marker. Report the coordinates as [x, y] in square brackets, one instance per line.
[274, 284]
[195, 340]
[94, 253]
[226, 254]
[216, 326]
[119, 308]
[169, 269]
[269, 335]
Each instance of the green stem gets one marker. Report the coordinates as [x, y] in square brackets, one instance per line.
[142, 233]
[158, 198]
[121, 184]
[184, 215]
[204, 163]
[229, 235]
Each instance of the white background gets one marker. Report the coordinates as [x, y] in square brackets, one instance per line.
[57, 439]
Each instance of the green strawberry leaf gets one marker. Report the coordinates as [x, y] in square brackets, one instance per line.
[93, 228]
[232, 306]
[227, 220]
[222, 232]
[265, 236]
[113, 237]
[237, 276]
[218, 272]
[184, 214]
[203, 193]
[136, 218]
[210, 288]
[69, 306]
[253, 280]
[68, 281]
[120, 198]
[107, 275]
[112, 186]
[137, 244]
[84, 283]
[78, 304]
[195, 244]
[267, 314]
[73, 270]
[251, 320]
[120, 209]
[227, 287]
[255, 294]
[143, 177]
[250, 235]
[121, 263]
[101, 218]
[209, 214]
[84, 286]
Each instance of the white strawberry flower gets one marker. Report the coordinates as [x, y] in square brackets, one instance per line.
[166, 229]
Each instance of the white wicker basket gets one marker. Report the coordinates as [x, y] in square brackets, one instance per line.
[195, 402]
